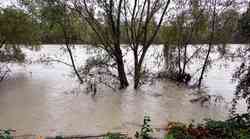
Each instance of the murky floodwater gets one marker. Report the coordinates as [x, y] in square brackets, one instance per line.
[38, 99]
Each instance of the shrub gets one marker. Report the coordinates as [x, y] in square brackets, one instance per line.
[6, 134]
[146, 129]
[236, 128]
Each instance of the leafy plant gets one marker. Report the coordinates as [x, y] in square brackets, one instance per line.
[5, 134]
[114, 136]
[59, 137]
[237, 127]
[146, 129]
[169, 136]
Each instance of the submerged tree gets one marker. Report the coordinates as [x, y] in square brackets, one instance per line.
[216, 27]
[137, 19]
[242, 74]
[188, 26]
[142, 28]
[213, 7]
[200, 22]
[60, 16]
[106, 24]
[244, 24]
[16, 29]
[56, 14]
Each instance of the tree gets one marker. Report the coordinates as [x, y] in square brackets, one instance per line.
[142, 28]
[187, 26]
[228, 24]
[242, 74]
[56, 14]
[215, 8]
[244, 24]
[107, 29]
[16, 28]
[214, 4]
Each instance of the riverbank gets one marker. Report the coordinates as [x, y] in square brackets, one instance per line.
[237, 127]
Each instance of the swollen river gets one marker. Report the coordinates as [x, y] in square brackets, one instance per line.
[46, 100]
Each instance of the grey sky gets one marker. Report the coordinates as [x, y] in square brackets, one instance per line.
[4, 2]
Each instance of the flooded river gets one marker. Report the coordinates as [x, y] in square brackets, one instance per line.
[45, 100]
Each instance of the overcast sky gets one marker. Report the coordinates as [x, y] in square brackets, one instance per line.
[4, 2]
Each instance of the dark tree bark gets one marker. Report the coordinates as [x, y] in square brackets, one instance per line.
[138, 26]
[109, 38]
[66, 27]
[73, 64]
[121, 73]
[204, 65]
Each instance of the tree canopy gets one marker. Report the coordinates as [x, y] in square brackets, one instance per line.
[244, 24]
[16, 28]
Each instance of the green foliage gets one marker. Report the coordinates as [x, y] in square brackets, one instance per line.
[227, 24]
[5, 134]
[170, 136]
[238, 126]
[235, 128]
[17, 27]
[168, 34]
[193, 23]
[59, 137]
[146, 129]
[179, 131]
[114, 136]
[188, 26]
[58, 22]
[244, 23]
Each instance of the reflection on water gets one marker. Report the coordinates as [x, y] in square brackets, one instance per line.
[36, 100]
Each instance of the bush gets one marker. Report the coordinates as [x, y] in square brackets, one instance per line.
[114, 136]
[5, 134]
[235, 128]
[146, 129]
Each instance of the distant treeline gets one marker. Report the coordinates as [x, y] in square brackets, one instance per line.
[56, 37]
[229, 24]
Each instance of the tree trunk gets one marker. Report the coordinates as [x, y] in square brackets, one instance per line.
[137, 76]
[73, 64]
[185, 60]
[136, 70]
[166, 51]
[2, 43]
[204, 66]
[179, 61]
[121, 73]
[210, 46]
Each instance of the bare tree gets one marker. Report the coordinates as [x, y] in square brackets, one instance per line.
[211, 39]
[142, 28]
[107, 29]
[57, 13]
[187, 25]
[215, 8]
[67, 26]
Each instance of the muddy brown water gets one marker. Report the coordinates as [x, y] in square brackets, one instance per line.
[45, 100]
